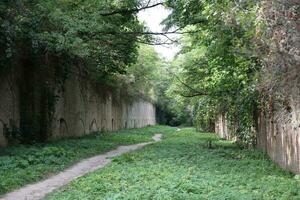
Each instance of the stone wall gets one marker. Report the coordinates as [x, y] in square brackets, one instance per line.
[82, 107]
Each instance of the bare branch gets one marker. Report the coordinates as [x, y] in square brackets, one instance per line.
[148, 3]
[193, 90]
[130, 11]
[170, 39]
[189, 87]
[138, 33]
[192, 95]
[176, 31]
[155, 43]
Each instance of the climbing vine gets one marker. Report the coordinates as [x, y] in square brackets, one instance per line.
[279, 48]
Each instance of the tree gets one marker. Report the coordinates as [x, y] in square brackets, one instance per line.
[71, 30]
[218, 63]
[46, 39]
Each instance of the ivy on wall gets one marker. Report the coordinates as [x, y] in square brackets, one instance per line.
[279, 38]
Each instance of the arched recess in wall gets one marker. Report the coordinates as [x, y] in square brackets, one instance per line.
[131, 123]
[126, 124]
[82, 126]
[2, 137]
[119, 123]
[63, 128]
[103, 124]
[93, 126]
[10, 82]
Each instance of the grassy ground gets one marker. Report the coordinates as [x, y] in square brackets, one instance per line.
[25, 164]
[182, 166]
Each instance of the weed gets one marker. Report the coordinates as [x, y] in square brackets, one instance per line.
[21, 165]
[183, 167]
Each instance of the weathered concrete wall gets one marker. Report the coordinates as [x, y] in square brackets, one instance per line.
[82, 107]
[281, 140]
[278, 127]
[221, 127]
[9, 105]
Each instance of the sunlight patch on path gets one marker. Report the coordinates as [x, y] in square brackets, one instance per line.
[40, 189]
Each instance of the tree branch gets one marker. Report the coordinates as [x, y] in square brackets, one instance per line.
[176, 31]
[129, 11]
[192, 95]
[190, 88]
[193, 90]
[155, 43]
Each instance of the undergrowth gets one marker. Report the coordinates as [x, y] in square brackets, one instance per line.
[21, 165]
[184, 166]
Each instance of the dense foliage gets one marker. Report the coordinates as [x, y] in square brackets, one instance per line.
[279, 46]
[43, 42]
[75, 31]
[217, 67]
[150, 77]
[21, 165]
[230, 62]
[183, 167]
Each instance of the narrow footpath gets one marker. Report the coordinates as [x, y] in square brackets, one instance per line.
[40, 189]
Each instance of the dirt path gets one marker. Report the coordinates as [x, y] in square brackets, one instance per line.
[40, 189]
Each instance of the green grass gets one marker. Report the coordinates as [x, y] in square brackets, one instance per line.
[183, 167]
[21, 165]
